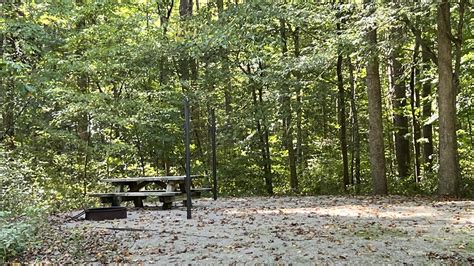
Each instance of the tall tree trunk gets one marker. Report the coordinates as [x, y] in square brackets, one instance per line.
[165, 14]
[9, 43]
[287, 115]
[268, 163]
[263, 134]
[323, 114]
[399, 102]
[263, 137]
[355, 128]
[138, 145]
[342, 122]
[448, 156]
[392, 130]
[426, 113]
[299, 107]
[185, 8]
[457, 44]
[341, 106]
[415, 104]
[83, 117]
[8, 116]
[227, 70]
[376, 145]
[189, 69]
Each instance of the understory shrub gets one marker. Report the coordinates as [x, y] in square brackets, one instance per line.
[16, 234]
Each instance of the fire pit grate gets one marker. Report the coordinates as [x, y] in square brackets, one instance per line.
[108, 213]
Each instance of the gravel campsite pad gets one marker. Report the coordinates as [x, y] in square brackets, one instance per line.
[324, 229]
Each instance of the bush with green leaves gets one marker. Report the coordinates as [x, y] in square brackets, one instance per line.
[17, 185]
[20, 211]
[17, 233]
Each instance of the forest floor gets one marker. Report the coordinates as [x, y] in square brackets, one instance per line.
[323, 229]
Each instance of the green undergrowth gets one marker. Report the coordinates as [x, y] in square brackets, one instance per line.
[18, 232]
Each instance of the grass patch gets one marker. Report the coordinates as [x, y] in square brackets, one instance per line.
[377, 231]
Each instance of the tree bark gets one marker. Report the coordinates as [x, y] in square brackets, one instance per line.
[263, 134]
[299, 98]
[227, 70]
[399, 102]
[426, 113]
[355, 168]
[9, 43]
[341, 109]
[457, 44]
[448, 157]
[414, 102]
[376, 144]
[8, 115]
[287, 115]
[185, 8]
[342, 122]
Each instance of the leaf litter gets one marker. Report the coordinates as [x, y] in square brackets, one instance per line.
[322, 229]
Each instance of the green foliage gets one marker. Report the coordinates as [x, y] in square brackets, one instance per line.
[95, 90]
[17, 233]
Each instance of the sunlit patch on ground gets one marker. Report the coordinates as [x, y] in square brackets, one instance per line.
[322, 229]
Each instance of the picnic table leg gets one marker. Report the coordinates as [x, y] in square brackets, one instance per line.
[138, 202]
[167, 205]
[116, 200]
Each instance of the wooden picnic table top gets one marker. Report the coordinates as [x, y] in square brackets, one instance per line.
[148, 179]
[137, 194]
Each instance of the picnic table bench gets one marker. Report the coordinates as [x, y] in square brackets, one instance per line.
[130, 189]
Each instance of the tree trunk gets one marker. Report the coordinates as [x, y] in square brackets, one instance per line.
[400, 120]
[299, 107]
[9, 43]
[323, 114]
[341, 106]
[8, 115]
[457, 44]
[263, 134]
[426, 113]
[355, 168]
[448, 164]
[376, 145]
[227, 70]
[287, 115]
[414, 102]
[342, 122]
[263, 137]
[185, 8]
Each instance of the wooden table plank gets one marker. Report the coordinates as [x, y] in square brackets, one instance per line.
[136, 194]
[148, 179]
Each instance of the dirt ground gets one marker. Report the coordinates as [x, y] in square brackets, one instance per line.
[299, 230]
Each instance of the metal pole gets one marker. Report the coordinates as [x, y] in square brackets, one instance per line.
[214, 156]
[188, 157]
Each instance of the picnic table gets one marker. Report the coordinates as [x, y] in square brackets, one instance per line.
[132, 189]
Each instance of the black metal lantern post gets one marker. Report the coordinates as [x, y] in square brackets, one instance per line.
[188, 157]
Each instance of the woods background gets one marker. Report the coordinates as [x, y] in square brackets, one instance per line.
[94, 89]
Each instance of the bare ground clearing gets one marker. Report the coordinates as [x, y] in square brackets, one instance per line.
[301, 230]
